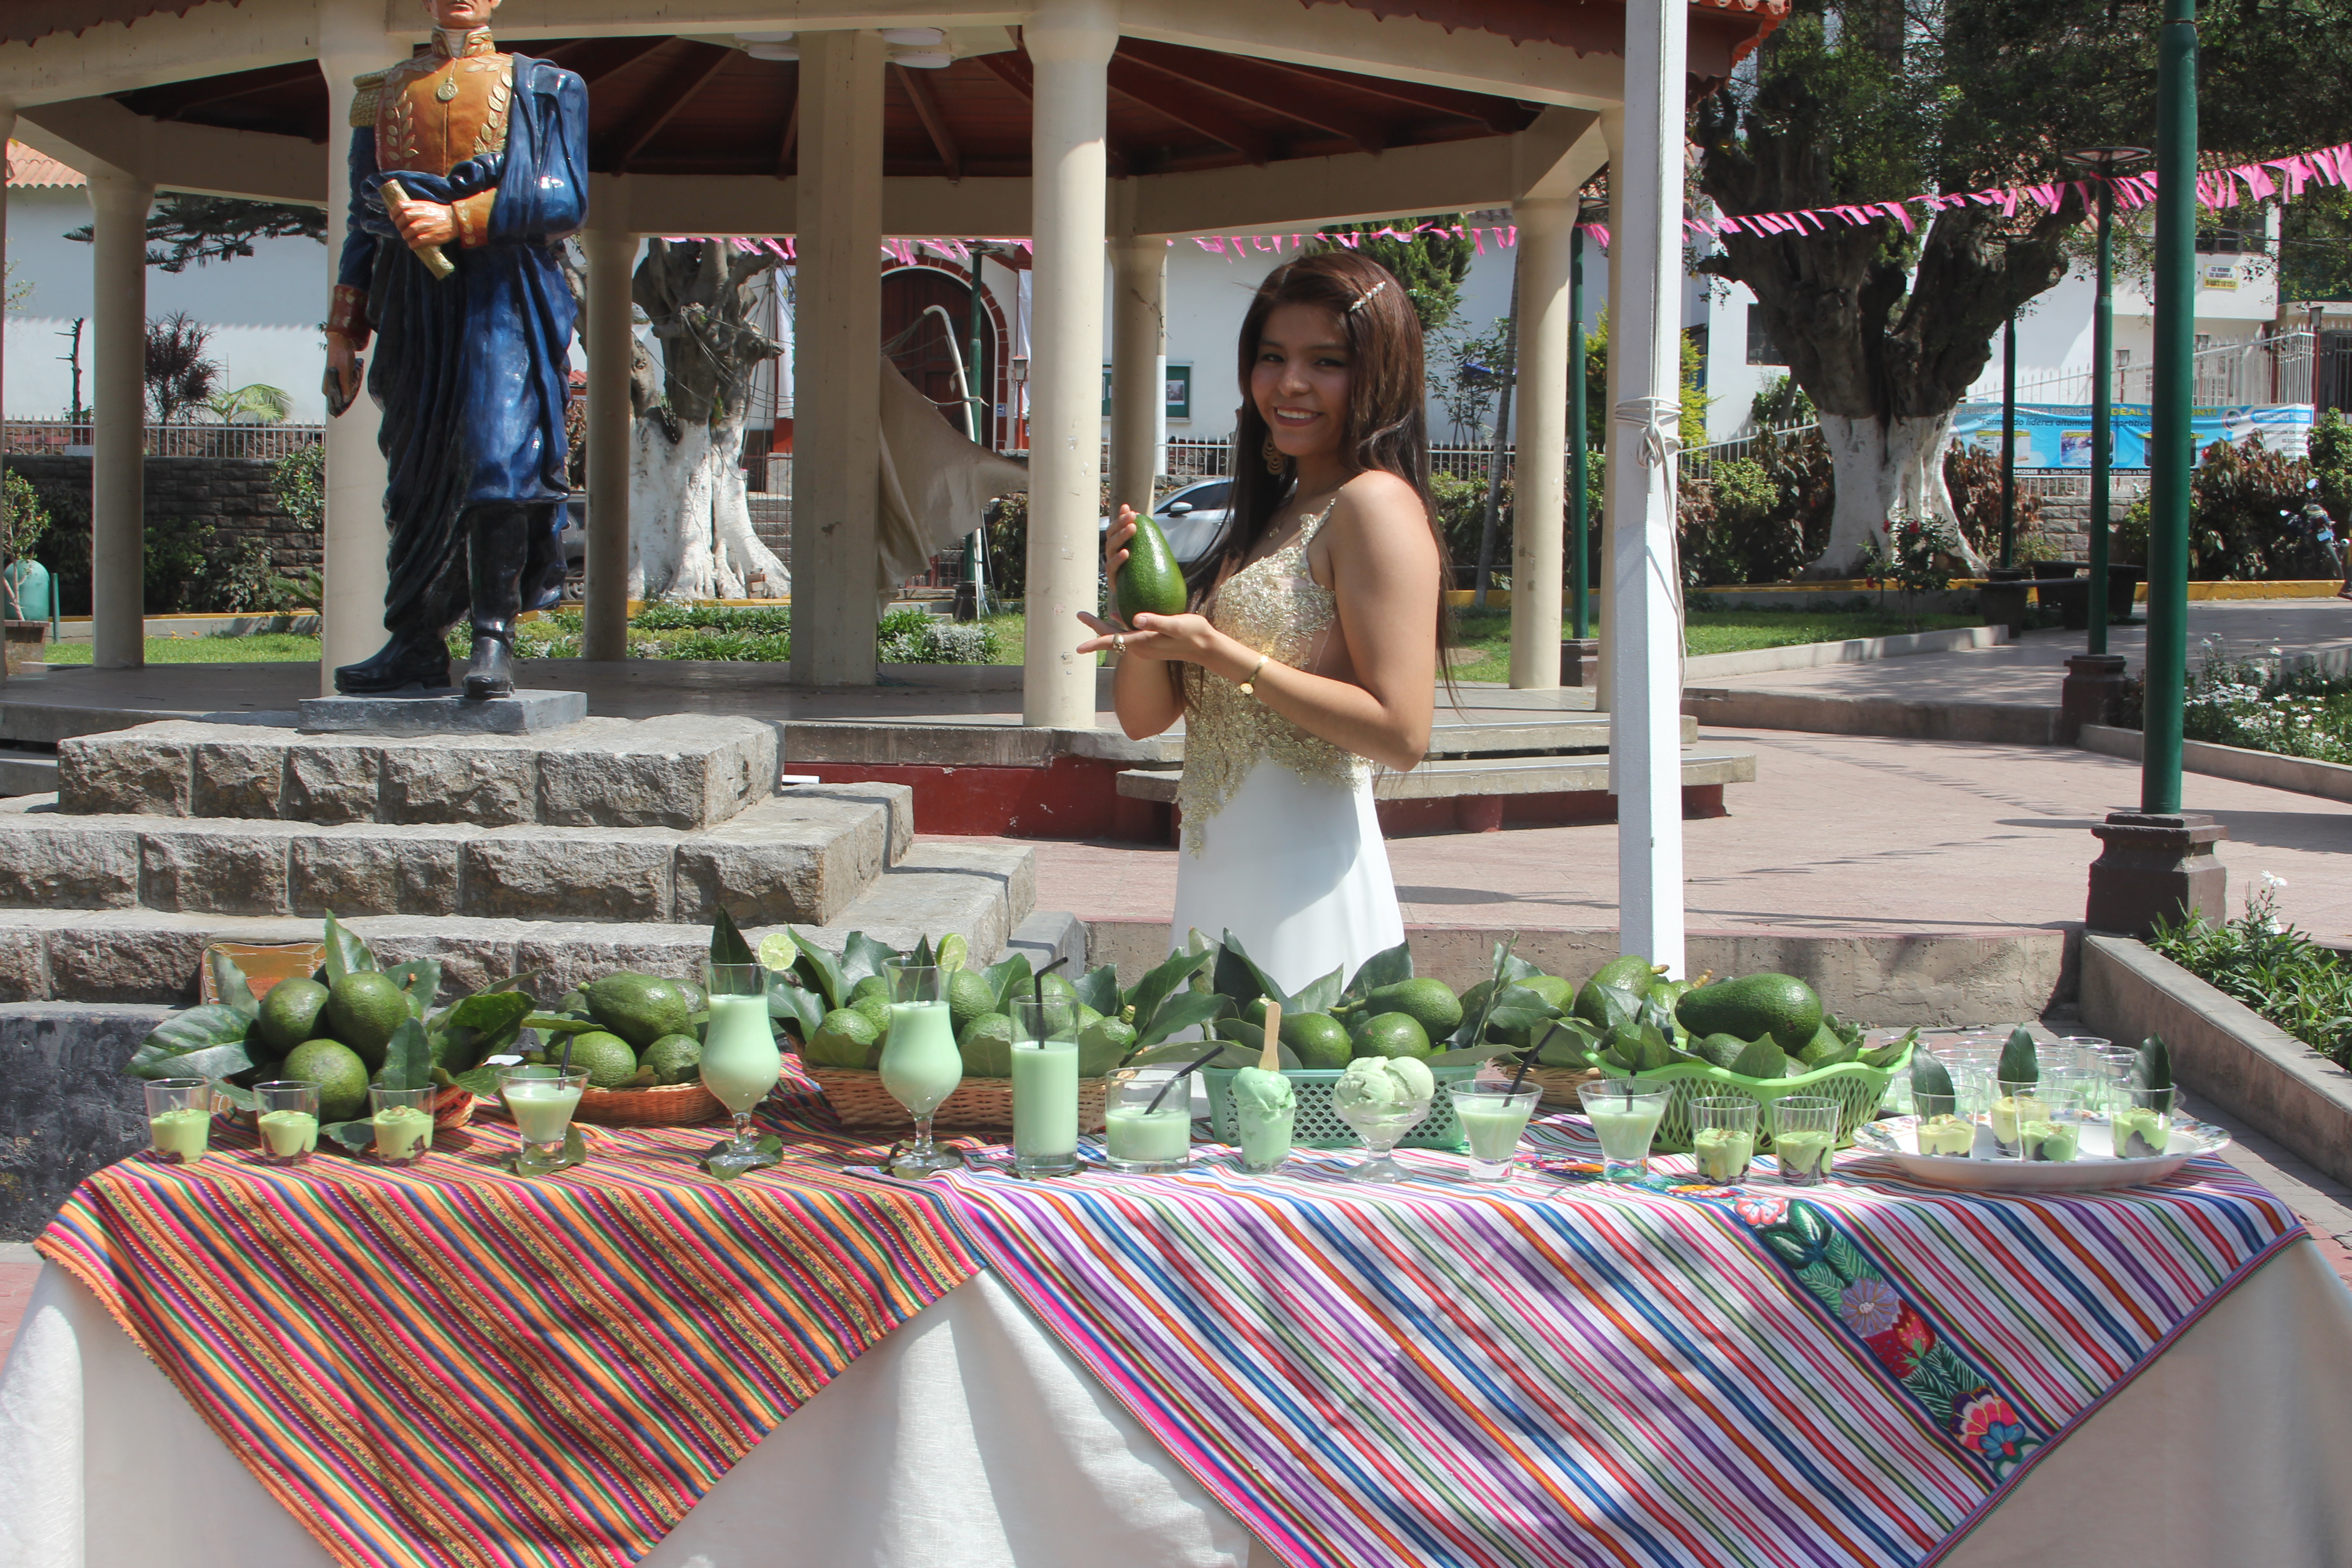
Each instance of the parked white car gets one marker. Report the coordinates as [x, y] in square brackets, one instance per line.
[1191, 518]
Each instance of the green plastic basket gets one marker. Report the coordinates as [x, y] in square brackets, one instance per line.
[1856, 1088]
[1316, 1125]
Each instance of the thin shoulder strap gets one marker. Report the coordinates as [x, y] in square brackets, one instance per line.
[1307, 535]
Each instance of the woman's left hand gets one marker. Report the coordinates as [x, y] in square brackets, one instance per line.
[1187, 639]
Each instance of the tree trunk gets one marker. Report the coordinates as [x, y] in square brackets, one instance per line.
[691, 535]
[1881, 467]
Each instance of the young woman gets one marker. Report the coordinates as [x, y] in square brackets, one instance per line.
[1309, 651]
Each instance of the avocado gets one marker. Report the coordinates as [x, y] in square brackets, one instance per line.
[1150, 583]
[1627, 972]
[1721, 1049]
[640, 1008]
[363, 1009]
[2017, 1062]
[1390, 1034]
[1827, 1048]
[1318, 1040]
[1430, 1002]
[1752, 1006]
[289, 1014]
[337, 1070]
[1761, 1059]
[846, 1039]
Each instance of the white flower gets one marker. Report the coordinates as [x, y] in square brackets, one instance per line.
[2272, 881]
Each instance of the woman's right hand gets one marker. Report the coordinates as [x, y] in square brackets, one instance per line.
[1115, 538]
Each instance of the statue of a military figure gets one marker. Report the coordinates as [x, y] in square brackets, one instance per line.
[469, 169]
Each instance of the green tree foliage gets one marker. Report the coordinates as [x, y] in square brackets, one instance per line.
[1695, 402]
[179, 377]
[1429, 265]
[183, 229]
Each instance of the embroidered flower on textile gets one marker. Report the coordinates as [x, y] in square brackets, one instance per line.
[1899, 1349]
[1760, 1208]
[1990, 1426]
[1869, 1307]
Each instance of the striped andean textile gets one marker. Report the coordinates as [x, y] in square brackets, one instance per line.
[1569, 1373]
[451, 1365]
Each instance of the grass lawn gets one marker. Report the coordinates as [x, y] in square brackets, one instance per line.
[1708, 631]
[271, 647]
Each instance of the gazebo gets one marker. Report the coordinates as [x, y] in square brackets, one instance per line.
[1085, 124]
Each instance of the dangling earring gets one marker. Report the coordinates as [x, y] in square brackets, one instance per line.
[1273, 455]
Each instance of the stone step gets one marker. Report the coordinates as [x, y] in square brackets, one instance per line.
[141, 955]
[25, 772]
[805, 854]
[681, 771]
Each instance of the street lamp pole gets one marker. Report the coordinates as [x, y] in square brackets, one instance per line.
[2103, 162]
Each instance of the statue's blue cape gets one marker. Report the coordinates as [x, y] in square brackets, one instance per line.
[472, 371]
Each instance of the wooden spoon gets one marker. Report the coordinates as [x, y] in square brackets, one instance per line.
[1269, 1059]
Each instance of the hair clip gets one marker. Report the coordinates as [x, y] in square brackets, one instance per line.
[1366, 298]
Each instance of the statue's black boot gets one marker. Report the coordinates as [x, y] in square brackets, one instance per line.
[412, 660]
[497, 547]
[544, 569]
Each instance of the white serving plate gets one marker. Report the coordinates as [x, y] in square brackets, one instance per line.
[2094, 1167]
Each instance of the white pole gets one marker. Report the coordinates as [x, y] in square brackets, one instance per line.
[1539, 548]
[1070, 42]
[117, 523]
[1644, 624]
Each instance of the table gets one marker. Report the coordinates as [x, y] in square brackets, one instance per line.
[1005, 1420]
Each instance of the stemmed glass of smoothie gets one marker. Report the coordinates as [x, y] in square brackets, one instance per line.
[740, 1062]
[1045, 1085]
[1493, 1115]
[541, 1101]
[1625, 1113]
[179, 1119]
[921, 1063]
[286, 1115]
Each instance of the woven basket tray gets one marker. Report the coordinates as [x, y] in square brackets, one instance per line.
[1559, 1085]
[668, 1105]
[264, 964]
[977, 1105]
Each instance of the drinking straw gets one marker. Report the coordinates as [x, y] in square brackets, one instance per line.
[1179, 1075]
[1529, 1059]
[1037, 986]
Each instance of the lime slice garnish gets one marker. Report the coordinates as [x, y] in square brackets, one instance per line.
[778, 951]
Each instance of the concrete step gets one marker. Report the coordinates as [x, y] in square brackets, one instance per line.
[1451, 779]
[141, 955]
[683, 772]
[27, 772]
[807, 853]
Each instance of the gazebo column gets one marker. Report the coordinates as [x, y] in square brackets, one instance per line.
[117, 523]
[1540, 510]
[1642, 622]
[1070, 44]
[354, 543]
[612, 251]
[837, 330]
[7, 129]
[1138, 366]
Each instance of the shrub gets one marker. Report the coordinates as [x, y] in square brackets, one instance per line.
[298, 481]
[2270, 966]
[27, 520]
[1973, 476]
[917, 637]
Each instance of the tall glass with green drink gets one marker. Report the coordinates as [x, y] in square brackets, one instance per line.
[1045, 1085]
[739, 1061]
[921, 1063]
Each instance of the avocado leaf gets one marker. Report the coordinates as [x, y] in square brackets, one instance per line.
[862, 955]
[1929, 1075]
[202, 1042]
[1385, 967]
[726, 943]
[1467, 1056]
[801, 1011]
[354, 1137]
[1008, 977]
[820, 972]
[227, 1093]
[482, 1082]
[1889, 1054]
[1615, 1004]
[346, 954]
[923, 957]
[768, 1143]
[408, 1059]
[1237, 976]
[1182, 1011]
[1148, 992]
[230, 985]
[1509, 965]
[1565, 1043]
[2153, 1070]
[472, 1027]
[1098, 989]
[419, 979]
[1317, 996]
[2019, 1063]
[562, 1023]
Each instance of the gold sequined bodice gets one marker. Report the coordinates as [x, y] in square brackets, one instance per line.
[445, 106]
[1276, 606]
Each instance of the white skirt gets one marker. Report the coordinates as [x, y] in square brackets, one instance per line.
[1296, 871]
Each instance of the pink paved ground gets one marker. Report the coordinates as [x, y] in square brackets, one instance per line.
[1839, 831]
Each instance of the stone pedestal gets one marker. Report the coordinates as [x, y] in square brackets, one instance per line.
[524, 714]
[2152, 867]
[1580, 661]
[2094, 681]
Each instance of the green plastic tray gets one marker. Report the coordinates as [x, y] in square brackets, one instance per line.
[1316, 1125]
[1856, 1088]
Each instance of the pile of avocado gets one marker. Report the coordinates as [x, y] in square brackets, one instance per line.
[1628, 1018]
[979, 1007]
[628, 1030]
[332, 1033]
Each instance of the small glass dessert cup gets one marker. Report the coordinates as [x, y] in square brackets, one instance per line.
[740, 1061]
[1266, 1112]
[2141, 1122]
[542, 1100]
[1723, 1138]
[403, 1119]
[1625, 1113]
[2014, 1104]
[1492, 1116]
[179, 1119]
[1148, 1122]
[1804, 1137]
[2056, 1132]
[1383, 1098]
[920, 1065]
[1942, 1130]
[286, 1113]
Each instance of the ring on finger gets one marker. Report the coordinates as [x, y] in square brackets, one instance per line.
[1118, 643]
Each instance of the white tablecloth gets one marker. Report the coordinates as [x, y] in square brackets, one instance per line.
[969, 1439]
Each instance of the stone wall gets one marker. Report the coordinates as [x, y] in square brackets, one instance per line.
[64, 1107]
[2066, 504]
[230, 495]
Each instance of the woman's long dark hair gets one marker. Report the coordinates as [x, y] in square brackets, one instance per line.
[1387, 424]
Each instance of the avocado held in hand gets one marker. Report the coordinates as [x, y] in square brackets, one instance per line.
[1150, 583]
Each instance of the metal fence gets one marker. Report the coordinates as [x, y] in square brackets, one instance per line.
[2282, 368]
[64, 438]
[1697, 463]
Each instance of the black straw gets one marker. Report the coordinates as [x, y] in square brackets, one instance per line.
[1529, 1059]
[566, 1068]
[1037, 988]
[1179, 1075]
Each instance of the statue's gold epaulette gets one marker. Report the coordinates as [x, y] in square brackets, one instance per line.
[367, 88]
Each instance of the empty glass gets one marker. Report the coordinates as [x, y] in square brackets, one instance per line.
[286, 1115]
[179, 1119]
[1804, 1134]
[1723, 1138]
[1625, 1113]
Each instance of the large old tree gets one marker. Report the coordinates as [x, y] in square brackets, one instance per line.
[1871, 101]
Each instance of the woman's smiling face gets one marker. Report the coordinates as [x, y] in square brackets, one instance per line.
[1299, 381]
